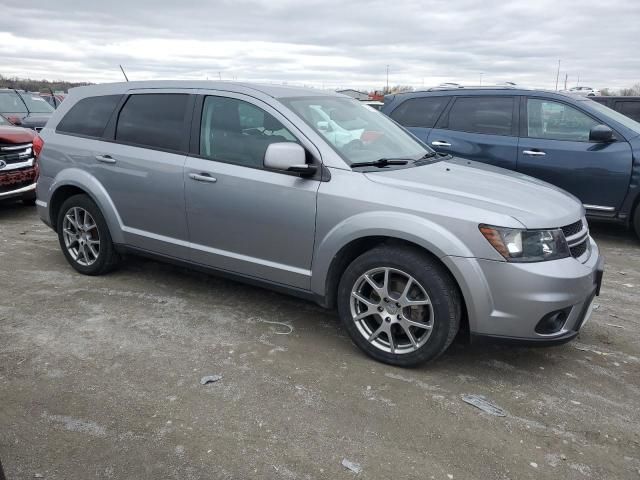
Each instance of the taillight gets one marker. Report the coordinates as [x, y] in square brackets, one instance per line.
[37, 145]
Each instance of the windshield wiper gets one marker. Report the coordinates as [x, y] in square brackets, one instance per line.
[428, 155]
[382, 162]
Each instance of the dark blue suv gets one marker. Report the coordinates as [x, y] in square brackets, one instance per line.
[570, 141]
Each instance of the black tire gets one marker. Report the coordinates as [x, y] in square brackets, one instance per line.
[436, 281]
[107, 258]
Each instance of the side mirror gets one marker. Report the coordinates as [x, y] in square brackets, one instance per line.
[601, 134]
[288, 157]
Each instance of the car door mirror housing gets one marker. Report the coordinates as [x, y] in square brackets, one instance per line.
[601, 134]
[288, 157]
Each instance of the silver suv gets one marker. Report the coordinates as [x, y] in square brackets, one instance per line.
[254, 182]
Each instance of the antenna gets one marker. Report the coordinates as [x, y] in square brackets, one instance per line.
[125, 75]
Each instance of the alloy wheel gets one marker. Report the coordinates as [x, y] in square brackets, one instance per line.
[81, 236]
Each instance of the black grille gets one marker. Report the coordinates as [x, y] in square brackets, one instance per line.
[571, 230]
[578, 250]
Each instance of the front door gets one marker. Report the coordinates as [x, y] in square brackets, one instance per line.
[243, 218]
[555, 147]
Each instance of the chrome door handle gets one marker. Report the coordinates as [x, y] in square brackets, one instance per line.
[105, 159]
[534, 153]
[202, 177]
[440, 143]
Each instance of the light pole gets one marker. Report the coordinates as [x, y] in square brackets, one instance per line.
[480, 78]
[558, 75]
[387, 78]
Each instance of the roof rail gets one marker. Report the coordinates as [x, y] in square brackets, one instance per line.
[451, 86]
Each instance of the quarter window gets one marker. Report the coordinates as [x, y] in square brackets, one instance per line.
[238, 132]
[89, 116]
[419, 112]
[557, 121]
[154, 120]
[488, 115]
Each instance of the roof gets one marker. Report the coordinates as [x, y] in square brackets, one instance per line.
[502, 90]
[276, 91]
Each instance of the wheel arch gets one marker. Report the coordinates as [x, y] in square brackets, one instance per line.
[74, 182]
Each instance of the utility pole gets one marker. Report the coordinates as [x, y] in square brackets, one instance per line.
[387, 89]
[578, 82]
[558, 75]
[480, 78]
[566, 77]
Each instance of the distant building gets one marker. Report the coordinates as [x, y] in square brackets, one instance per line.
[354, 94]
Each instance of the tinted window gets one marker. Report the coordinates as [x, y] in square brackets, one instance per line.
[489, 115]
[557, 121]
[154, 120]
[89, 116]
[630, 109]
[238, 132]
[419, 112]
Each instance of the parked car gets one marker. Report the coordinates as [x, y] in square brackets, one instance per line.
[629, 106]
[585, 91]
[581, 146]
[18, 172]
[24, 109]
[235, 178]
[52, 98]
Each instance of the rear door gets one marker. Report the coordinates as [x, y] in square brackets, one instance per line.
[242, 217]
[554, 146]
[419, 115]
[482, 128]
[142, 166]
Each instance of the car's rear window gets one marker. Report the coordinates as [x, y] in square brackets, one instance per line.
[153, 120]
[89, 116]
[419, 112]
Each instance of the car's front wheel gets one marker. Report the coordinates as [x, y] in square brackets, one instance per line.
[84, 236]
[399, 305]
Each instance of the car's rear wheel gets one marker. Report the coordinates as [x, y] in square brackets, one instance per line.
[84, 237]
[399, 305]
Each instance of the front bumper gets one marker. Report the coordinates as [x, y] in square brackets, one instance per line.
[28, 191]
[508, 300]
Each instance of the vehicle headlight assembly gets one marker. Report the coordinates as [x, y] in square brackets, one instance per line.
[518, 245]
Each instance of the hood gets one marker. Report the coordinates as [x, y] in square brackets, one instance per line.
[9, 134]
[534, 203]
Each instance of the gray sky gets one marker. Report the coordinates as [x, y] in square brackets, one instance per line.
[325, 43]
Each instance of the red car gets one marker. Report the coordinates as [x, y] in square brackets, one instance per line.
[18, 168]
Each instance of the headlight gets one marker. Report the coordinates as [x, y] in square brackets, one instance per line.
[517, 245]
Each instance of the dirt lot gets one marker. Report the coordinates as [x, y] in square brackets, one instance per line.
[99, 378]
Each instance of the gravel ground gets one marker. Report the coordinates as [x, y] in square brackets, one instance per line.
[100, 378]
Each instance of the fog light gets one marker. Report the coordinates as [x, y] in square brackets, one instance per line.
[553, 322]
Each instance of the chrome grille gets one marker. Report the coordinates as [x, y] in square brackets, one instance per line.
[15, 156]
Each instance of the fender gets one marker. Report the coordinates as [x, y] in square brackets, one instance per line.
[82, 179]
[403, 226]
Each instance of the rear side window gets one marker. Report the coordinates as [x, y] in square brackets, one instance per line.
[630, 109]
[488, 115]
[419, 112]
[89, 116]
[154, 120]
[557, 121]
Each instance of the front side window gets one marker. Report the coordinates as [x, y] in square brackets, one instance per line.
[357, 132]
[10, 102]
[486, 115]
[419, 112]
[154, 120]
[89, 116]
[557, 121]
[238, 132]
[35, 103]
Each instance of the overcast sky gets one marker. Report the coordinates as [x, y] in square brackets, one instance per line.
[326, 43]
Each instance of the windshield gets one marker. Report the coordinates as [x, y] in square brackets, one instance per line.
[357, 132]
[3, 121]
[630, 123]
[10, 103]
[35, 103]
